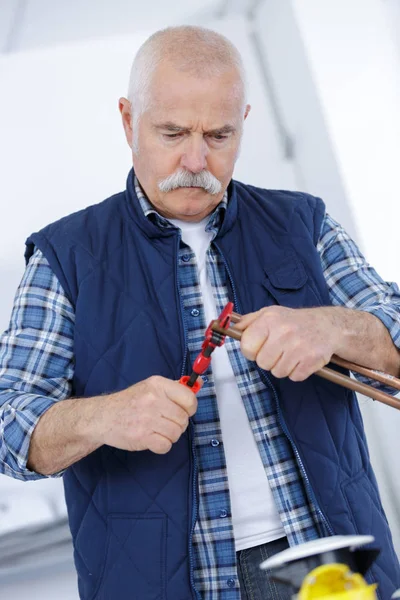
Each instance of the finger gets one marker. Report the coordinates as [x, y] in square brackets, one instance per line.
[292, 374]
[159, 444]
[246, 320]
[306, 368]
[183, 396]
[175, 413]
[254, 337]
[268, 357]
[285, 365]
[169, 429]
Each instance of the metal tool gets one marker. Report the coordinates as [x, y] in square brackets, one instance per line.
[213, 339]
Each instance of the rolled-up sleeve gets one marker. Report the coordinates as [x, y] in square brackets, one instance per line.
[353, 283]
[36, 363]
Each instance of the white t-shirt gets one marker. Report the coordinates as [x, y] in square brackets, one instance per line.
[254, 514]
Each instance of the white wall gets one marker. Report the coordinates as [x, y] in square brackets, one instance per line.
[291, 77]
[356, 72]
[60, 585]
[393, 16]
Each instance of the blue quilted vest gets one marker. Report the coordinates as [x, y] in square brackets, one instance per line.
[131, 513]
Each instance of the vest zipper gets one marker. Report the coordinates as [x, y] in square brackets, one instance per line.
[310, 491]
[265, 377]
[195, 507]
[191, 428]
[178, 293]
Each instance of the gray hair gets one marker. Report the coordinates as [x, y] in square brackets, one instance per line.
[195, 50]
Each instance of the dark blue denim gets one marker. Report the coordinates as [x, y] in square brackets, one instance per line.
[256, 584]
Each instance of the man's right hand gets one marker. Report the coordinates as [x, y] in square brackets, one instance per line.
[150, 415]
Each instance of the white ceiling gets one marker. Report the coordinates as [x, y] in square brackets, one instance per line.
[27, 24]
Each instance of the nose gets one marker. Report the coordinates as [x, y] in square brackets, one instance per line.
[194, 158]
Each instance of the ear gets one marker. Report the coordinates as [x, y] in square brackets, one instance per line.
[246, 112]
[126, 113]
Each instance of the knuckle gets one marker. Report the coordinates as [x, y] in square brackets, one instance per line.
[271, 312]
[284, 332]
[263, 321]
[313, 360]
[265, 313]
[292, 330]
[155, 382]
[148, 398]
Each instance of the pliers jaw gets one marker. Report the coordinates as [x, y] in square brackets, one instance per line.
[214, 339]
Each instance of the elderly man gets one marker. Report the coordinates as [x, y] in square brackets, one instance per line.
[170, 496]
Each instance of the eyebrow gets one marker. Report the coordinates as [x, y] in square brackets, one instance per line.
[169, 126]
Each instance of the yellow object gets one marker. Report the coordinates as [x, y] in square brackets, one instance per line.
[335, 582]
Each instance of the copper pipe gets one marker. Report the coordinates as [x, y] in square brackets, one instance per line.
[390, 380]
[334, 376]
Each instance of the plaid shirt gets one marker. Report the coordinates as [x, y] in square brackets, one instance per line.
[36, 370]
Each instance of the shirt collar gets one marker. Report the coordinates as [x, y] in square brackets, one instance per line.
[150, 212]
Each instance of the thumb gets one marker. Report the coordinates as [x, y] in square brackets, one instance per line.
[247, 320]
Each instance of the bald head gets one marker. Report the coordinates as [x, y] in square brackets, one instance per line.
[196, 51]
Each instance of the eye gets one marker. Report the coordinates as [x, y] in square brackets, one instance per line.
[219, 137]
[172, 136]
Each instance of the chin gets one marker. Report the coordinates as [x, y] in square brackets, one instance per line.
[191, 202]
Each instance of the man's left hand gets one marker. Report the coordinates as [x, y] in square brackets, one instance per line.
[289, 342]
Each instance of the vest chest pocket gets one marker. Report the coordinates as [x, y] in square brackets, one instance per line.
[288, 283]
[135, 558]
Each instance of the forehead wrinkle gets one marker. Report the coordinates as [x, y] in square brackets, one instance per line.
[171, 126]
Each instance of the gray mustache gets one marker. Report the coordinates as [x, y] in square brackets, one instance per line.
[183, 178]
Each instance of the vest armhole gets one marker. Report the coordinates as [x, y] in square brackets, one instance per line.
[38, 240]
[319, 216]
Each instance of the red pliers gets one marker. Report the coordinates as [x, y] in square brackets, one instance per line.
[212, 341]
